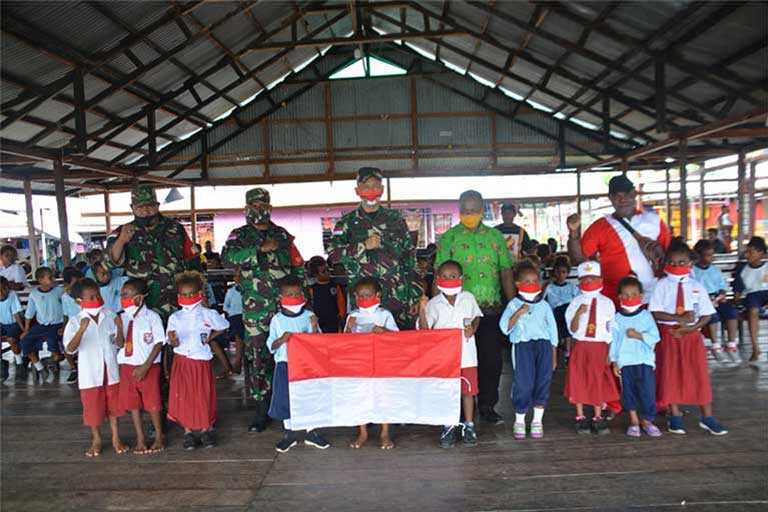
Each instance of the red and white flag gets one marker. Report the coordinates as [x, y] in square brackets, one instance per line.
[343, 380]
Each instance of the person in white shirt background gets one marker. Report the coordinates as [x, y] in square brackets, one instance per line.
[589, 379]
[11, 270]
[370, 317]
[681, 307]
[751, 285]
[140, 337]
[190, 331]
[70, 308]
[91, 335]
[455, 308]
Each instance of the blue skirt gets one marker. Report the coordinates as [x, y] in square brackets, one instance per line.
[280, 408]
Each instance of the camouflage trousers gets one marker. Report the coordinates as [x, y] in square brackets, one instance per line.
[258, 364]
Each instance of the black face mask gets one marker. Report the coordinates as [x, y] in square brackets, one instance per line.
[145, 221]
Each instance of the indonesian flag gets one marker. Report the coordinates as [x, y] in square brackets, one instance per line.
[343, 380]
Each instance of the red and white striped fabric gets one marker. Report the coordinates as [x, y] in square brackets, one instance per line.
[338, 380]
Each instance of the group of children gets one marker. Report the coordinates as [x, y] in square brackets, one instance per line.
[648, 353]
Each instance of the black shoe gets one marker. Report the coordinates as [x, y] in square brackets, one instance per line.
[21, 373]
[72, 376]
[448, 437]
[600, 427]
[260, 419]
[208, 439]
[41, 375]
[468, 434]
[316, 440]
[190, 443]
[5, 369]
[490, 416]
[583, 426]
[287, 442]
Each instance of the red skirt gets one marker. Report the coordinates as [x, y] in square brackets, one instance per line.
[682, 374]
[589, 379]
[192, 394]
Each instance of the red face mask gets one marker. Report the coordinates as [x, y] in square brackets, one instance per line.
[369, 302]
[371, 195]
[677, 270]
[630, 303]
[591, 286]
[127, 302]
[290, 300]
[449, 283]
[529, 287]
[189, 301]
[92, 304]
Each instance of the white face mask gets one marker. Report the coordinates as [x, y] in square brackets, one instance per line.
[190, 307]
[369, 310]
[530, 297]
[93, 311]
[450, 291]
[294, 309]
[130, 310]
[631, 309]
[591, 293]
[370, 204]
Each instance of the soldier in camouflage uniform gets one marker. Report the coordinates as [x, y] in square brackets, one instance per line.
[373, 241]
[154, 248]
[265, 253]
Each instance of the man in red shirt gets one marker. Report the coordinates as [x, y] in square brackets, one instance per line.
[610, 241]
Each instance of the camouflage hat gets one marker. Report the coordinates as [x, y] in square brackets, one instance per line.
[257, 195]
[143, 194]
[364, 173]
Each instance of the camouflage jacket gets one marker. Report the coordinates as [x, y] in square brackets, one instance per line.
[393, 264]
[260, 271]
[157, 254]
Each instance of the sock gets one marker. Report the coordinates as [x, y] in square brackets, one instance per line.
[38, 366]
[538, 414]
[579, 418]
[469, 423]
[287, 425]
[18, 358]
[519, 417]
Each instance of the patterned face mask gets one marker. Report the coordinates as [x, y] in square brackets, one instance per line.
[256, 216]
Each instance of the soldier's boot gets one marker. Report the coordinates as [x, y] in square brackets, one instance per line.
[260, 419]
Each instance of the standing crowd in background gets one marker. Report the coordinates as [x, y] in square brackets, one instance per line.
[141, 322]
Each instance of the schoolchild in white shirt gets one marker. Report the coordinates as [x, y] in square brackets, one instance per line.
[91, 335]
[455, 308]
[140, 337]
[370, 317]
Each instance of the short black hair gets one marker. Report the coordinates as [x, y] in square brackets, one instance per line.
[525, 266]
[757, 243]
[678, 246]
[82, 285]
[288, 281]
[138, 285]
[469, 195]
[451, 263]
[543, 250]
[630, 281]
[4, 282]
[562, 262]
[190, 278]
[42, 272]
[9, 249]
[702, 245]
[712, 230]
[70, 273]
[368, 281]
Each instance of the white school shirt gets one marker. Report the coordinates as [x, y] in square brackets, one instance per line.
[754, 279]
[695, 296]
[441, 315]
[97, 349]
[606, 312]
[193, 326]
[147, 332]
[365, 321]
[14, 273]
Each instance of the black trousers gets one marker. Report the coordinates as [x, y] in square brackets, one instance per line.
[490, 344]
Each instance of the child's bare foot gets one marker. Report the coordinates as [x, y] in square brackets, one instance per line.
[120, 447]
[358, 443]
[157, 446]
[140, 448]
[386, 443]
[755, 356]
[94, 450]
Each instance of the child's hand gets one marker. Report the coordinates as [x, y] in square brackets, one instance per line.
[686, 318]
[84, 323]
[140, 372]
[314, 324]
[582, 309]
[616, 370]
[225, 374]
[119, 323]
[378, 329]
[60, 331]
[423, 301]
[680, 331]
[351, 322]
[173, 339]
[469, 331]
[632, 333]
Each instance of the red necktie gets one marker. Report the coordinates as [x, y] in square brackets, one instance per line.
[680, 301]
[129, 340]
[592, 325]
